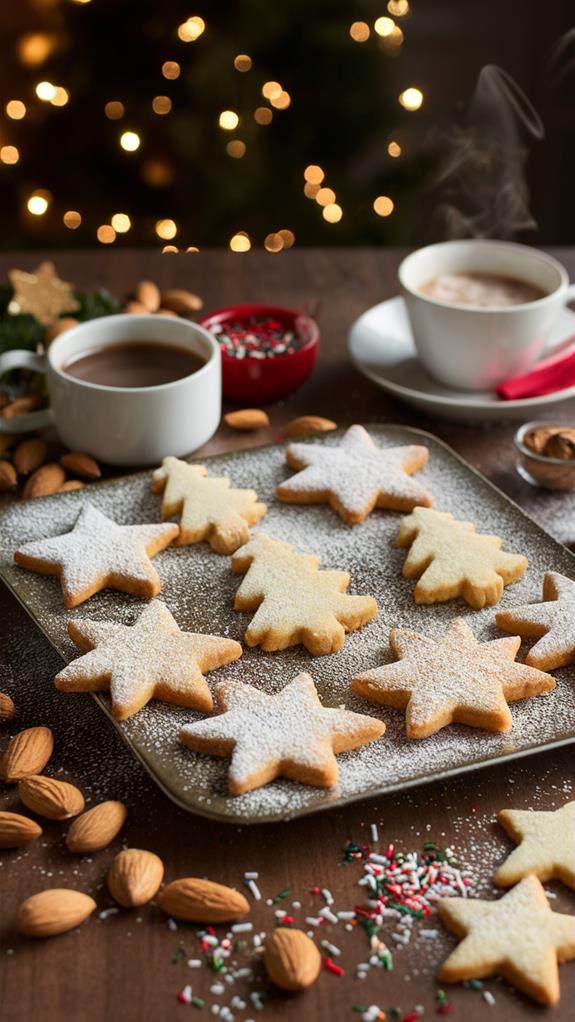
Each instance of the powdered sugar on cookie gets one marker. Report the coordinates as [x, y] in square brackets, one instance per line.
[551, 622]
[546, 845]
[355, 476]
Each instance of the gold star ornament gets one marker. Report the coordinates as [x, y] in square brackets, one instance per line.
[41, 294]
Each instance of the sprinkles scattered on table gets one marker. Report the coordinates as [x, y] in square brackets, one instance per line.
[258, 337]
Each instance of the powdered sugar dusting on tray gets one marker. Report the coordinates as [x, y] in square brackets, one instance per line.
[199, 589]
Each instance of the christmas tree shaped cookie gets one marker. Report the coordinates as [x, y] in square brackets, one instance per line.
[293, 600]
[551, 622]
[546, 845]
[452, 679]
[355, 476]
[285, 735]
[451, 559]
[210, 507]
[151, 659]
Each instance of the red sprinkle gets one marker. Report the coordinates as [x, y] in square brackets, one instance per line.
[330, 965]
[411, 1017]
[445, 1008]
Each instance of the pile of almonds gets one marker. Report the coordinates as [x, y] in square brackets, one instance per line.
[25, 463]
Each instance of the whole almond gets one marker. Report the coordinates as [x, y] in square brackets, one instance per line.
[20, 406]
[201, 901]
[53, 911]
[184, 303]
[291, 959]
[27, 753]
[56, 800]
[8, 477]
[60, 327]
[148, 294]
[29, 455]
[83, 465]
[94, 830]
[7, 708]
[134, 308]
[72, 484]
[247, 418]
[16, 830]
[135, 877]
[307, 425]
[44, 481]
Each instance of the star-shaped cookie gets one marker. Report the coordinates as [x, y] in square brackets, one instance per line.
[546, 845]
[453, 679]
[517, 936]
[42, 294]
[99, 554]
[151, 659]
[551, 622]
[285, 735]
[355, 476]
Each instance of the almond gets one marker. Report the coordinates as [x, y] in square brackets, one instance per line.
[134, 308]
[29, 455]
[94, 830]
[148, 294]
[135, 877]
[8, 477]
[306, 425]
[72, 484]
[291, 959]
[16, 830]
[201, 901]
[53, 911]
[7, 708]
[59, 327]
[247, 418]
[83, 465]
[20, 406]
[56, 800]
[27, 753]
[44, 481]
[184, 303]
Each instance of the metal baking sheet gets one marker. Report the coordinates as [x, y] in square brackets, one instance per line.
[199, 588]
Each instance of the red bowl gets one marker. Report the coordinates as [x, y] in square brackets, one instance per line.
[269, 379]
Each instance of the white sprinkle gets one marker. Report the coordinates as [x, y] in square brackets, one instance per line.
[428, 933]
[488, 998]
[332, 948]
[346, 915]
[242, 927]
[236, 1002]
[296, 904]
[313, 921]
[550, 894]
[217, 988]
[212, 941]
[172, 925]
[256, 999]
[108, 912]
[257, 940]
[380, 859]
[326, 893]
[280, 913]
[254, 889]
[374, 833]
[194, 963]
[327, 913]
[251, 875]
[186, 994]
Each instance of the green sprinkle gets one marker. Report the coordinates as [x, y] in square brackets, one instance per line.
[475, 984]
[178, 956]
[281, 896]
[359, 1008]
[198, 1002]
[441, 995]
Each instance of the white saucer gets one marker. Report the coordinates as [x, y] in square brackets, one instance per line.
[382, 348]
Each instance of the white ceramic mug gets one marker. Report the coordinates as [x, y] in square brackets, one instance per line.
[119, 425]
[475, 348]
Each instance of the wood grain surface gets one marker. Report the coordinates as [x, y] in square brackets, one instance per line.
[120, 967]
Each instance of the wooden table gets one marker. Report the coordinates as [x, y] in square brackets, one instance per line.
[121, 967]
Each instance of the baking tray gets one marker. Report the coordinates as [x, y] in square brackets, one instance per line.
[199, 588]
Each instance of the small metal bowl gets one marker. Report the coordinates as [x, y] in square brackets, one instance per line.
[540, 469]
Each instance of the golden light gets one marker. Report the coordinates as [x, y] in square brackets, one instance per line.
[169, 248]
[242, 62]
[398, 7]
[271, 90]
[34, 48]
[79, 2]
[411, 99]
[192, 248]
[282, 101]
[166, 229]
[310, 190]
[236, 148]
[359, 31]
[240, 242]
[394, 149]
[191, 29]
[16, 109]
[45, 91]
[384, 26]
[157, 173]
[121, 223]
[60, 97]
[9, 154]
[114, 110]
[161, 104]
[130, 141]
[325, 197]
[288, 238]
[72, 219]
[38, 204]
[383, 205]
[263, 116]
[171, 69]
[105, 234]
[313, 174]
[228, 120]
[273, 243]
[332, 213]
